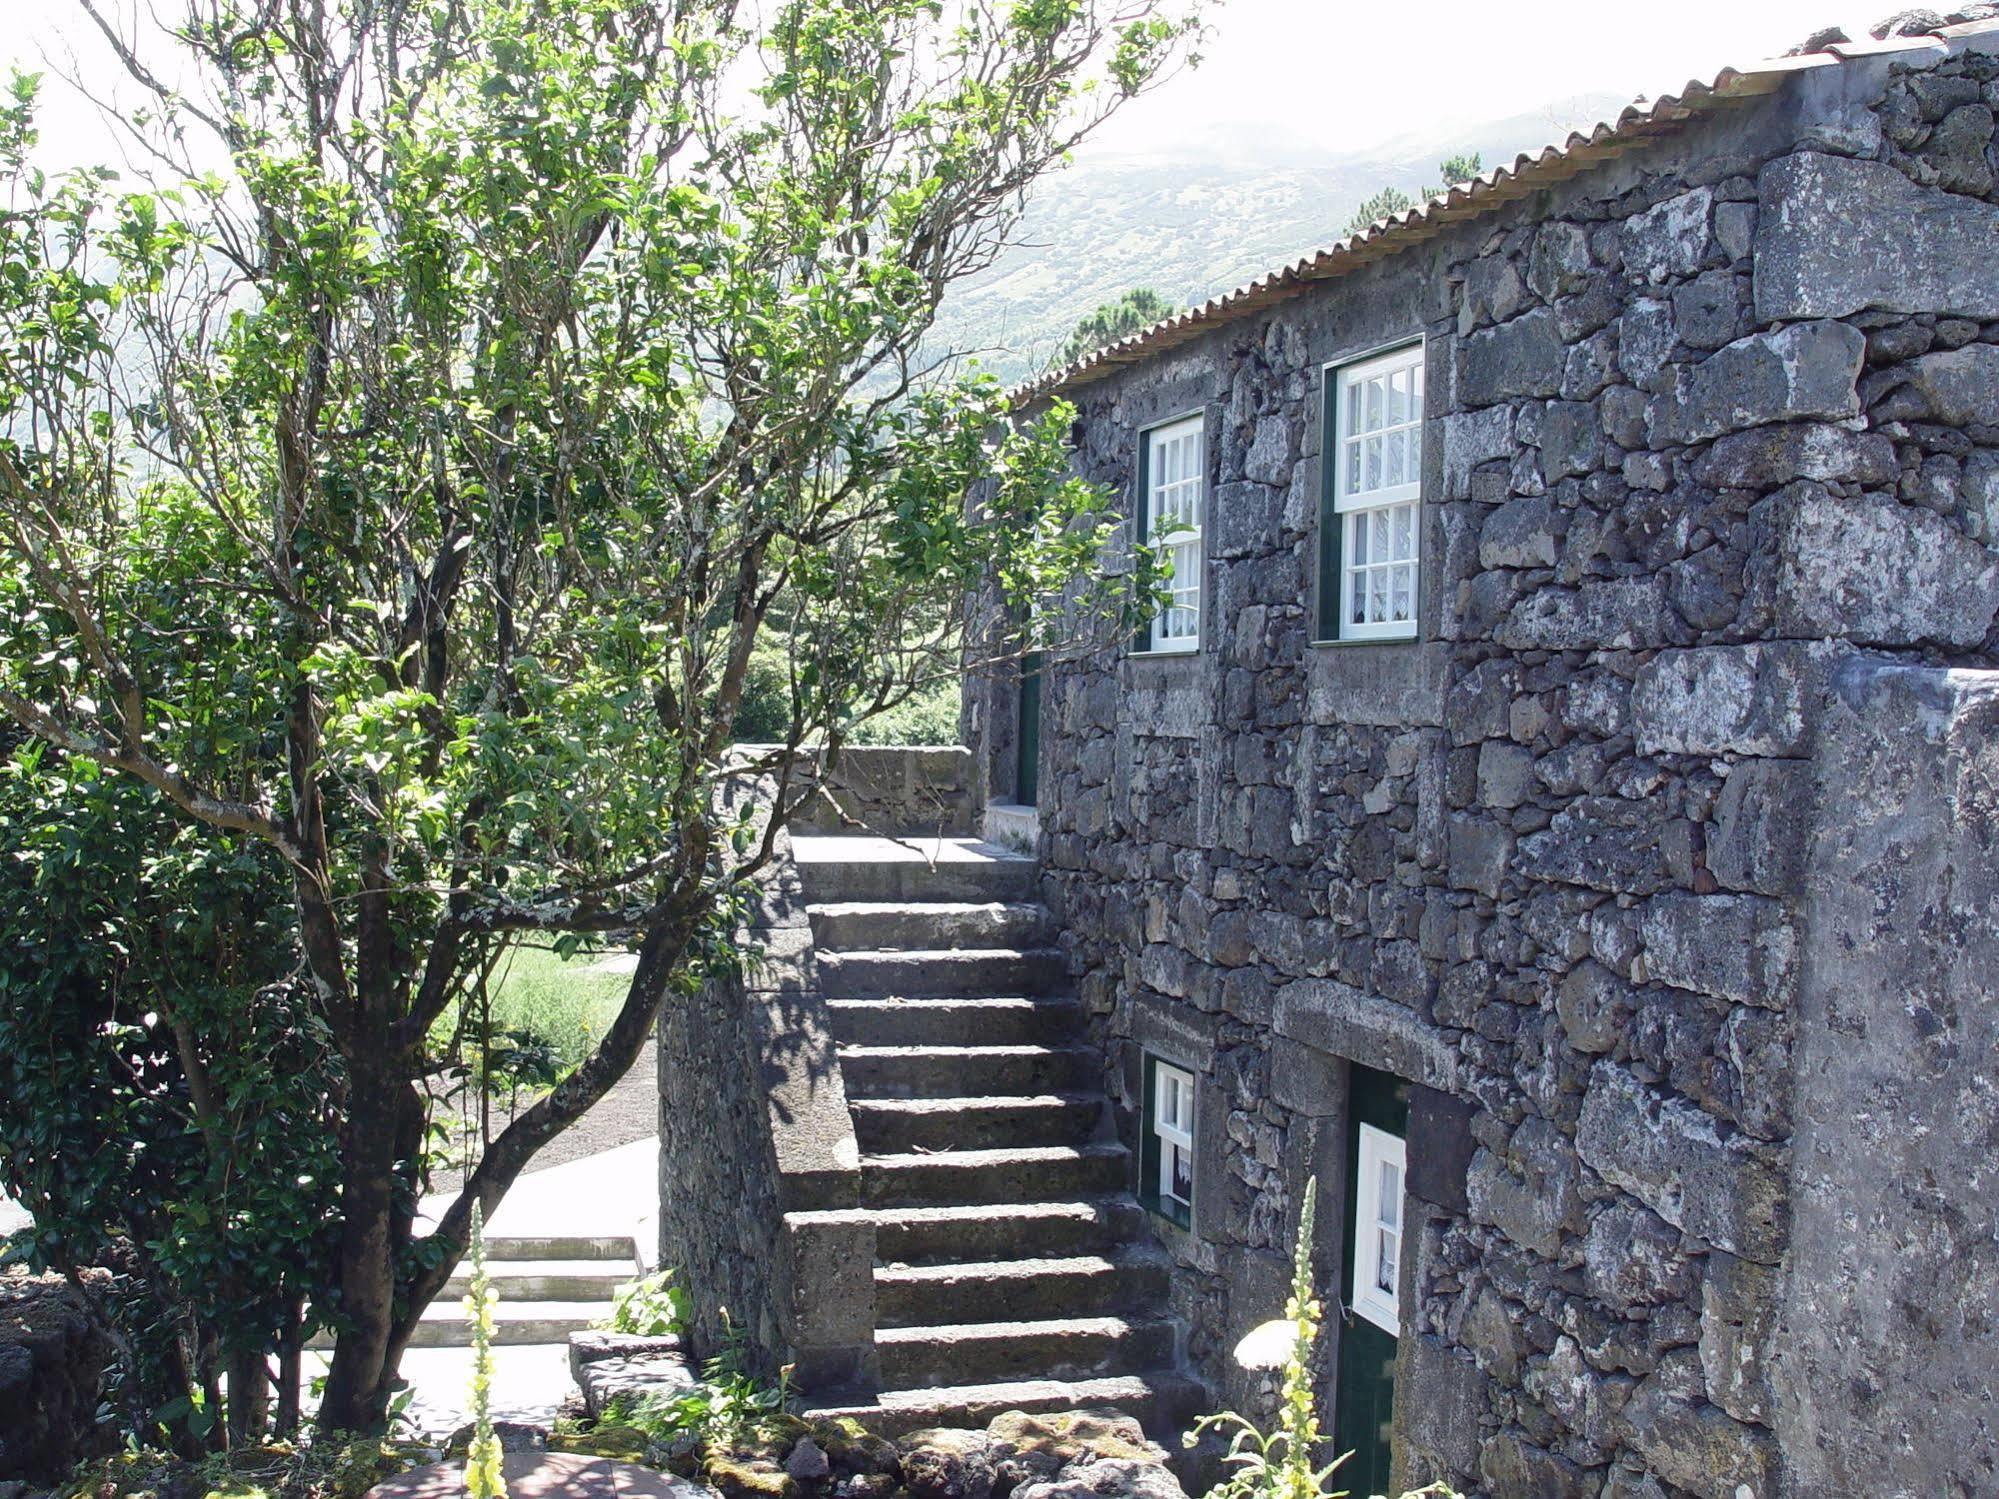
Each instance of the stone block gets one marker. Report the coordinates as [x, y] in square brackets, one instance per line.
[1247, 519]
[1740, 1300]
[1559, 262]
[1762, 825]
[1867, 569]
[1511, 1464]
[1705, 310]
[1738, 947]
[1697, 1446]
[1307, 1081]
[1958, 387]
[1730, 1191]
[1472, 438]
[1533, 1197]
[1821, 252]
[1522, 533]
[1609, 614]
[1478, 854]
[1505, 774]
[1571, 441]
[1804, 370]
[1440, 1147]
[1594, 1006]
[1632, 1257]
[1524, 357]
[1440, 1399]
[1771, 457]
[1601, 843]
[1378, 1033]
[1732, 699]
[1645, 339]
[1669, 240]
[1272, 451]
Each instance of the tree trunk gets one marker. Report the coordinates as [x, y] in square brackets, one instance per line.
[357, 1384]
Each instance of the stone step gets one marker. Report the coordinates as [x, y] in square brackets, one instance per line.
[843, 870]
[1026, 1290]
[943, 972]
[443, 1323]
[546, 1280]
[954, 1022]
[619, 1247]
[967, 1071]
[930, 924]
[905, 1126]
[969, 1176]
[1066, 1348]
[992, 1230]
[1164, 1403]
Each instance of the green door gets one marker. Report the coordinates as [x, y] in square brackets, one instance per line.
[1027, 741]
[1364, 1399]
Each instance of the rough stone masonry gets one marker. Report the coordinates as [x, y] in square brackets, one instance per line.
[1661, 860]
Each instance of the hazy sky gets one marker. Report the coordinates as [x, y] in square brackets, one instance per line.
[1299, 73]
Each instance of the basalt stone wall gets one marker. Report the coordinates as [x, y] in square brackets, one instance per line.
[1706, 423]
[52, 1363]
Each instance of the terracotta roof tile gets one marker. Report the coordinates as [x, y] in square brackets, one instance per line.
[1527, 173]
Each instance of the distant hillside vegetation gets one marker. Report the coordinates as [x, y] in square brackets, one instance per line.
[1190, 228]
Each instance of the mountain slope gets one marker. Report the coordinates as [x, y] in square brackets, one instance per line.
[1192, 227]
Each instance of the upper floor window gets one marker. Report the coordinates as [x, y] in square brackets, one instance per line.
[1372, 530]
[1171, 488]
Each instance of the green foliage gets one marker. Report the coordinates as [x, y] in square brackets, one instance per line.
[1135, 311]
[1282, 1463]
[1392, 200]
[724, 1404]
[407, 502]
[653, 1306]
[484, 1476]
[167, 1095]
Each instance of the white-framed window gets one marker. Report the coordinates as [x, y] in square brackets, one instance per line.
[1377, 1229]
[1173, 1129]
[1376, 451]
[1176, 467]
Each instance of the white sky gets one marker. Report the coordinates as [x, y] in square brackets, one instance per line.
[1300, 73]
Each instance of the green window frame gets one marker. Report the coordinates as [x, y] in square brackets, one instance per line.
[1370, 497]
[1167, 1115]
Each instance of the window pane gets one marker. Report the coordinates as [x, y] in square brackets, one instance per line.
[1386, 1248]
[1405, 529]
[1182, 1184]
[1388, 1197]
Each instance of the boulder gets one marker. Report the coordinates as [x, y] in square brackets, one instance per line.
[945, 1463]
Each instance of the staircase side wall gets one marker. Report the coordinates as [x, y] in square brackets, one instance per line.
[1886, 1365]
[756, 1145]
[922, 789]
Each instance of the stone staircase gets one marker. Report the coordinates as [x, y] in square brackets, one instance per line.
[549, 1287]
[1014, 1269]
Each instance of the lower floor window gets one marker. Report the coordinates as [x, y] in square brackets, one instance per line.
[1168, 1185]
[1377, 1229]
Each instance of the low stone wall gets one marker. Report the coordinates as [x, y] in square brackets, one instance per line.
[758, 1159]
[888, 789]
[51, 1363]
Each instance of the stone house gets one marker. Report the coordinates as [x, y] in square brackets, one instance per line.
[1557, 811]
[1556, 807]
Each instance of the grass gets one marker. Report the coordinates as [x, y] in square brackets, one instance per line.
[567, 1002]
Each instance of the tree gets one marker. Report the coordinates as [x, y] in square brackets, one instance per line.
[148, 997]
[523, 355]
[1135, 311]
[1392, 200]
